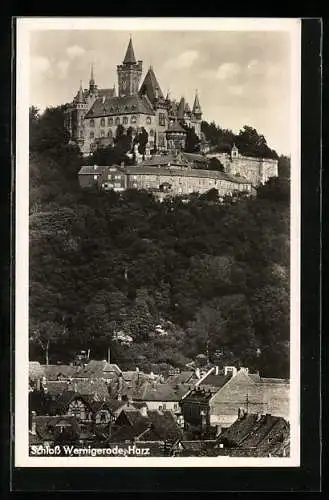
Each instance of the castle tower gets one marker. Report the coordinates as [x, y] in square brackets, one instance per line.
[196, 115]
[78, 112]
[234, 152]
[176, 137]
[129, 73]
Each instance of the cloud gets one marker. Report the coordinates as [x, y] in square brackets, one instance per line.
[40, 65]
[184, 60]
[62, 68]
[227, 71]
[75, 51]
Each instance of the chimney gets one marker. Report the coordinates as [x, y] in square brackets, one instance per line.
[109, 355]
[33, 424]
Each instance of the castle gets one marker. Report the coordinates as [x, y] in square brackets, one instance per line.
[93, 118]
[94, 115]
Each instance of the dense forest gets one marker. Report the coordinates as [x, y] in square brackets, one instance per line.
[216, 276]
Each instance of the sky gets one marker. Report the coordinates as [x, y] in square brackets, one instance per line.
[242, 77]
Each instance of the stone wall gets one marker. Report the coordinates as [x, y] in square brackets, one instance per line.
[256, 170]
[183, 183]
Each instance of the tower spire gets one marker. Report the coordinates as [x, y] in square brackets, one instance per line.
[92, 85]
[196, 106]
[130, 55]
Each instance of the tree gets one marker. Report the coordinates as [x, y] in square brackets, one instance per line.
[45, 333]
[215, 164]
[192, 142]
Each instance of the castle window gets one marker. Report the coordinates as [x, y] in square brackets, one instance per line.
[162, 119]
[152, 132]
[148, 120]
[109, 134]
[92, 135]
[117, 121]
[102, 122]
[102, 133]
[133, 119]
[92, 122]
[125, 120]
[81, 133]
[110, 121]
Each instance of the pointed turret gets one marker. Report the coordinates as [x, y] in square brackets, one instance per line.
[181, 109]
[151, 87]
[196, 106]
[92, 85]
[80, 97]
[130, 55]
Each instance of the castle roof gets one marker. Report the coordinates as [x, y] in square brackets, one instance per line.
[181, 109]
[106, 92]
[120, 105]
[130, 56]
[150, 86]
[196, 105]
[176, 127]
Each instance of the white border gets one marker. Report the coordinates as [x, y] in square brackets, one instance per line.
[24, 27]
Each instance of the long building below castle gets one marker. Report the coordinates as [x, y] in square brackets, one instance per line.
[95, 114]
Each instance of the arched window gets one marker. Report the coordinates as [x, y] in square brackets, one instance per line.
[133, 119]
[92, 135]
[148, 120]
[92, 122]
[117, 121]
[151, 132]
[125, 120]
[102, 122]
[110, 121]
[109, 134]
[102, 133]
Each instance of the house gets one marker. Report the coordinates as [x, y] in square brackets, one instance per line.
[257, 435]
[196, 412]
[50, 430]
[162, 396]
[146, 426]
[60, 372]
[250, 392]
[90, 176]
[36, 374]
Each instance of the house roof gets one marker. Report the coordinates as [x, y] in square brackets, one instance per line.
[52, 372]
[46, 425]
[253, 431]
[92, 170]
[214, 381]
[150, 86]
[184, 377]
[164, 425]
[167, 159]
[165, 392]
[113, 106]
[99, 368]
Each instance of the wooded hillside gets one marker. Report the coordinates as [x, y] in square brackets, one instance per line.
[217, 276]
